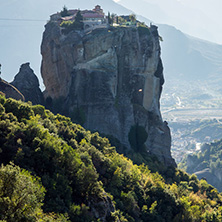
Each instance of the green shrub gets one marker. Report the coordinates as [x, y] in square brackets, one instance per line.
[2, 98]
[11, 105]
[19, 109]
[2, 109]
[21, 194]
[84, 176]
[77, 24]
[40, 110]
[25, 111]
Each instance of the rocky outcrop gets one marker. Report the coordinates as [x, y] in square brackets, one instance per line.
[110, 80]
[10, 91]
[27, 83]
[101, 206]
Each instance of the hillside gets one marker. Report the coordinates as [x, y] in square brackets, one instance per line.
[85, 178]
[206, 163]
[187, 136]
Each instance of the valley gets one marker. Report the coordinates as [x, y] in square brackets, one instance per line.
[193, 111]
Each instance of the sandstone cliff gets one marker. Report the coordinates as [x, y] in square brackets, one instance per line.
[110, 81]
[28, 84]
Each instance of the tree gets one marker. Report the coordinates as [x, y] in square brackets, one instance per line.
[64, 12]
[132, 17]
[78, 17]
[117, 20]
[121, 20]
[113, 16]
[109, 19]
[21, 194]
[78, 23]
[70, 26]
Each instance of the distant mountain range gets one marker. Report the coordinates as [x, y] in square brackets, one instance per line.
[200, 18]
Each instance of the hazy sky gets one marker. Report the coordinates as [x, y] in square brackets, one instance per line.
[200, 18]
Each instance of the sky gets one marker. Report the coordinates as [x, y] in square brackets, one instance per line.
[199, 18]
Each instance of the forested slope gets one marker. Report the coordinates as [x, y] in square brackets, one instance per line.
[84, 178]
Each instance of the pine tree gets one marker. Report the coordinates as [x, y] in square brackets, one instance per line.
[78, 17]
[78, 24]
[132, 17]
[109, 19]
[64, 11]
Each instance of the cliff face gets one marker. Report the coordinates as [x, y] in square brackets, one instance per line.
[110, 81]
[27, 83]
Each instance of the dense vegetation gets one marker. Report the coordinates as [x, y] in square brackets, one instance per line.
[84, 178]
[76, 24]
[209, 158]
